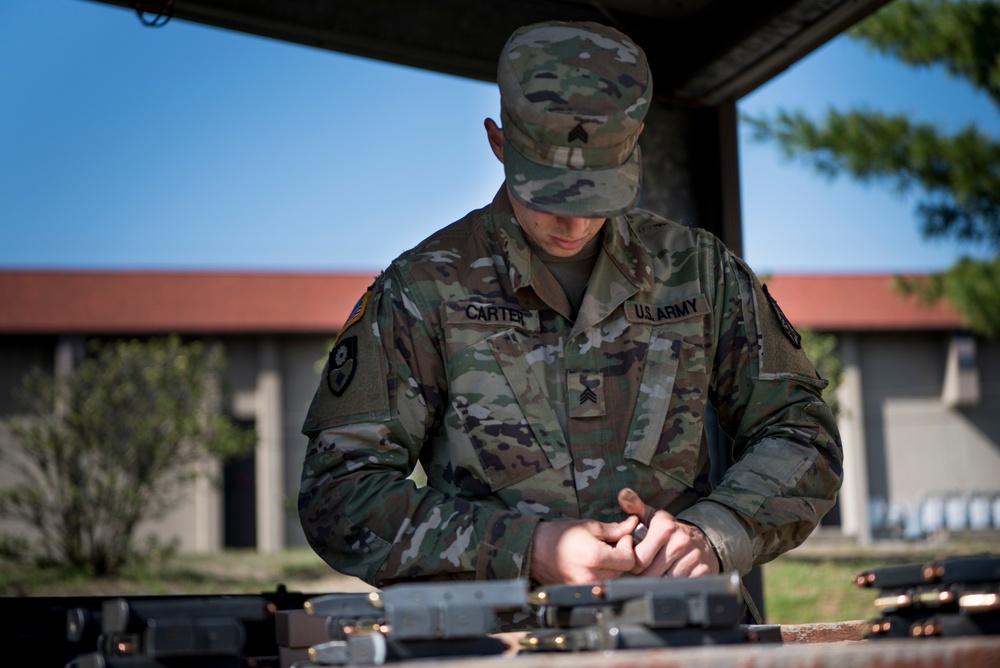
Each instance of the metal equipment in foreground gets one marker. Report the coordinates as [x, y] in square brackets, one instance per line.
[952, 597]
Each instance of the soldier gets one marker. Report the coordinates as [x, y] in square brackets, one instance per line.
[549, 360]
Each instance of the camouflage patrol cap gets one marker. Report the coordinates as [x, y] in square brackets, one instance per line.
[572, 98]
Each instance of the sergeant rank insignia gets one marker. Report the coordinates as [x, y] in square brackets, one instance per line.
[341, 365]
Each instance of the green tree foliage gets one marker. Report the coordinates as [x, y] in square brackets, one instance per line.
[971, 286]
[957, 174]
[114, 444]
[821, 349]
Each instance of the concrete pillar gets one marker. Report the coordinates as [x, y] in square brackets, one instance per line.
[854, 501]
[70, 352]
[207, 532]
[690, 168]
[268, 459]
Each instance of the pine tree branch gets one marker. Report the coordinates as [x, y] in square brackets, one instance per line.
[958, 174]
[963, 37]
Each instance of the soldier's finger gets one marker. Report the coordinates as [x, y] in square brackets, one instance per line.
[633, 505]
[620, 557]
[691, 565]
[655, 569]
[612, 532]
[655, 551]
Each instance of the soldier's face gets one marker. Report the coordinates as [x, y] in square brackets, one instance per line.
[560, 236]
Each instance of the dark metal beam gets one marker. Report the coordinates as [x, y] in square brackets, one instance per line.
[701, 51]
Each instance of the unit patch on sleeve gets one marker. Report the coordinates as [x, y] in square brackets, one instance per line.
[342, 364]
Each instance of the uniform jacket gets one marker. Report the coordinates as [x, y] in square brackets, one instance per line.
[464, 356]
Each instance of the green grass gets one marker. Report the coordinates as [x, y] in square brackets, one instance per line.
[815, 583]
[800, 591]
[229, 572]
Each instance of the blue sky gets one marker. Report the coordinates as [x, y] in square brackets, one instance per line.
[187, 147]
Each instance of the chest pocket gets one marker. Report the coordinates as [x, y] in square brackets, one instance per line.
[498, 394]
[667, 424]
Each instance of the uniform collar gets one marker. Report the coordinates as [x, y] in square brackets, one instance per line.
[627, 252]
[522, 265]
[629, 258]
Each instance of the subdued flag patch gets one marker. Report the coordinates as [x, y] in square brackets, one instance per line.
[356, 312]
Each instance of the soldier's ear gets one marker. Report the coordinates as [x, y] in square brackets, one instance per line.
[495, 136]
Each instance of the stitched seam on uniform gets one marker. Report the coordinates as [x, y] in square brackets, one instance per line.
[765, 490]
[783, 375]
[644, 448]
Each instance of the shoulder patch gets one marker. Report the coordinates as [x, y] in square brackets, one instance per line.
[342, 364]
[786, 326]
[356, 313]
[777, 343]
[353, 384]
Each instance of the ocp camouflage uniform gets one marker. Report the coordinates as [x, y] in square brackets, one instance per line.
[464, 356]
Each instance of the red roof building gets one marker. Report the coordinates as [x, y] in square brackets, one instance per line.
[912, 383]
[203, 302]
[151, 302]
[856, 302]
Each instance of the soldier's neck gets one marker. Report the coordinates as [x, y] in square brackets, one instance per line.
[572, 273]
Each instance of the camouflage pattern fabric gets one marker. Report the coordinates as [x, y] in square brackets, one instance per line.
[466, 359]
[572, 98]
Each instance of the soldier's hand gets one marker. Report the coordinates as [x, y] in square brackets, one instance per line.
[582, 551]
[669, 547]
